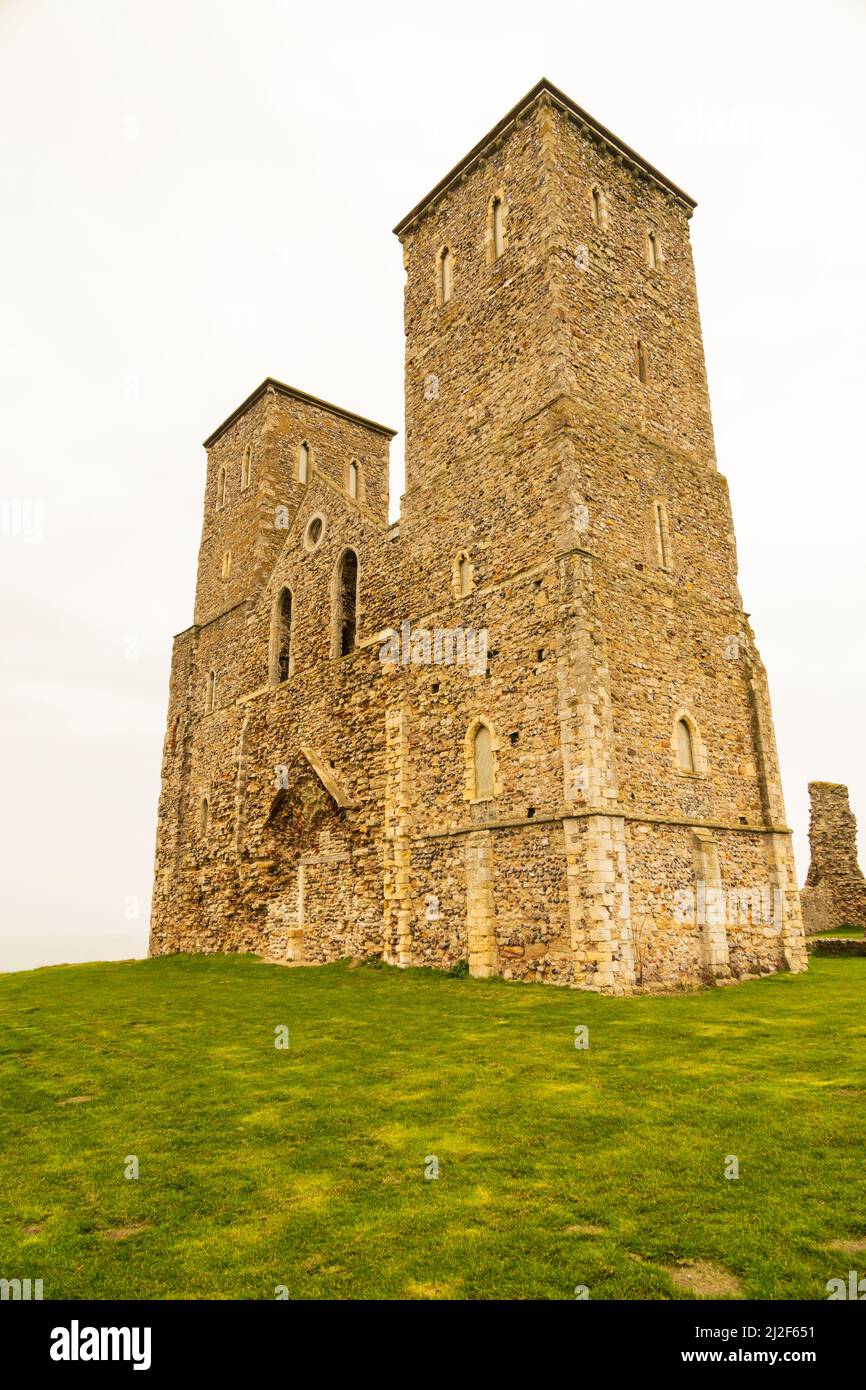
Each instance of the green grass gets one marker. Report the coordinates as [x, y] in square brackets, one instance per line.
[305, 1168]
[842, 931]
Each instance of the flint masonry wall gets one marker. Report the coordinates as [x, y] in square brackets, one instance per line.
[835, 891]
[341, 808]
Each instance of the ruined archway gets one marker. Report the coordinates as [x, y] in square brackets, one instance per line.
[305, 855]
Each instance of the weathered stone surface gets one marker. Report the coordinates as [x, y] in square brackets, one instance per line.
[539, 813]
[835, 891]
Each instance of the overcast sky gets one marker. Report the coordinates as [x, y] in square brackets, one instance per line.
[199, 194]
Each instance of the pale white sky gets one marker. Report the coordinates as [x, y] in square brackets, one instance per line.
[199, 194]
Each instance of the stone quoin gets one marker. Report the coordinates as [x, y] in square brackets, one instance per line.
[543, 813]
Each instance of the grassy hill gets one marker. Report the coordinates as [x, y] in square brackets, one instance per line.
[305, 1167]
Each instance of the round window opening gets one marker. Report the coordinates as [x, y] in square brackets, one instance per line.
[314, 532]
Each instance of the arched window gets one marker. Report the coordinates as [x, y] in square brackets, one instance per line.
[246, 467]
[482, 763]
[446, 266]
[497, 227]
[304, 463]
[203, 817]
[641, 361]
[221, 488]
[464, 575]
[685, 747]
[598, 208]
[354, 472]
[282, 637]
[346, 604]
[663, 540]
[227, 564]
[653, 251]
[210, 692]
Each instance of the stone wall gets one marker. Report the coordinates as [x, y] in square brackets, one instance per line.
[838, 946]
[835, 891]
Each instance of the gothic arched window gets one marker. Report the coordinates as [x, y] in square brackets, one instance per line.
[685, 747]
[482, 763]
[346, 604]
[282, 637]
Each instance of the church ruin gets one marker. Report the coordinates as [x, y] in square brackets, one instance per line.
[593, 799]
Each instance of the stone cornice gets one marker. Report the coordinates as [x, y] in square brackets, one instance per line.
[590, 812]
[488, 446]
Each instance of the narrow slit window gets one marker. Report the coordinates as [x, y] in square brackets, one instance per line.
[203, 817]
[498, 227]
[210, 692]
[445, 275]
[465, 576]
[652, 251]
[483, 763]
[283, 644]
[304, 463]
[663, 542]
[353, 480]
[641, 361]
[221, 488]
[246, 467]
[685, 747]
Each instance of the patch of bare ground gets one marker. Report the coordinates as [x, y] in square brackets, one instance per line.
[703, 1279]
[123, 1232]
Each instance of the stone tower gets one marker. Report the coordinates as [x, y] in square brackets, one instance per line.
[597, 801]
[835, 891]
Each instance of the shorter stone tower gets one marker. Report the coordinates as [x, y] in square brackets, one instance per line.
[835, 891]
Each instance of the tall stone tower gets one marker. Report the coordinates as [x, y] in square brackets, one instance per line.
[598, 803]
